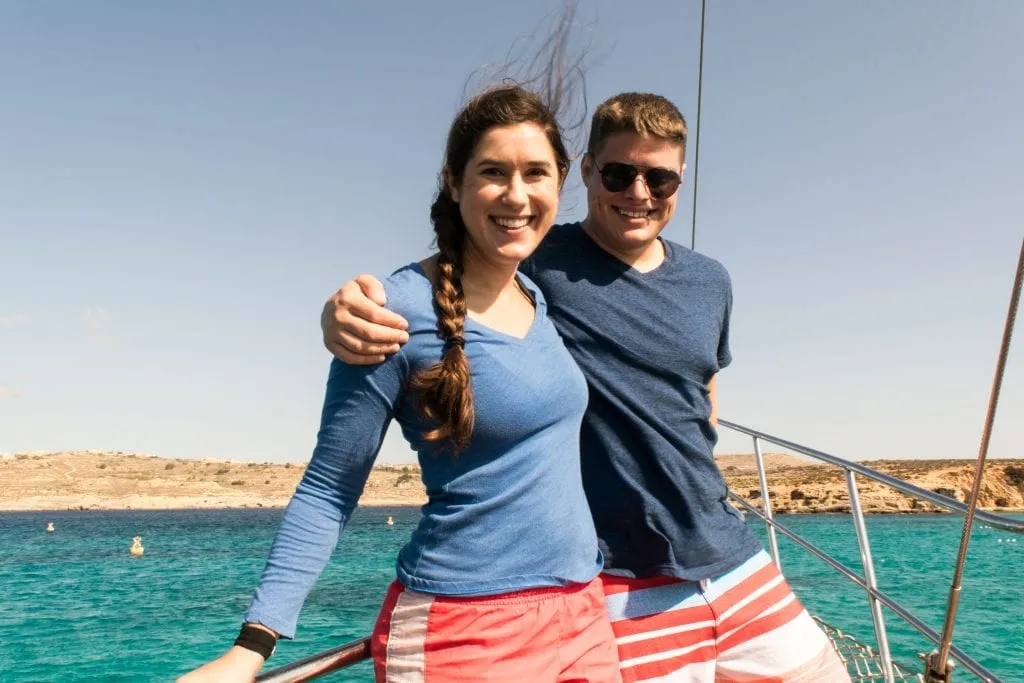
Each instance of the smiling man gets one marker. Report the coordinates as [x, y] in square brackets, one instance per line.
[690, 590]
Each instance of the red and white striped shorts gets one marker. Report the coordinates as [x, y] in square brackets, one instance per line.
[745, 625]
[545, 635]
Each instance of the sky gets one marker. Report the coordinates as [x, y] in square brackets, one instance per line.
[182, 185]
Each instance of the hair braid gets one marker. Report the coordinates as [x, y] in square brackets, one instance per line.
[446, 396]
[444, 391]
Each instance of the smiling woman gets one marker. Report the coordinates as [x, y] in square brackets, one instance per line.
[498, 197]
[489, 397]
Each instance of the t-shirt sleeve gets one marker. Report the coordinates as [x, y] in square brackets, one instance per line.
[724, 353]
[359, 404]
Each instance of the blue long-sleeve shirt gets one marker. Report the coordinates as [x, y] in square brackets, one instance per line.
[507, 513]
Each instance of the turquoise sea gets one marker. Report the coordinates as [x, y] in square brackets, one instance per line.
[74, 606]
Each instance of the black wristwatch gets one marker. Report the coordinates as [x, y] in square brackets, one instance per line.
[257, 639]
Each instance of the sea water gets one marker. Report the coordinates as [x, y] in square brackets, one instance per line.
[75, 606]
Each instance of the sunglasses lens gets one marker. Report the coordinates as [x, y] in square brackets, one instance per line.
[662, 182]
[617, 177]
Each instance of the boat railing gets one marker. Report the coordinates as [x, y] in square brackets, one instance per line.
[356, 651]
[320, 664]
[868, 582]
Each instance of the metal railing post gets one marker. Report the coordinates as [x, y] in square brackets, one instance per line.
[881, 636]
[996, 521]
[969, 663]
[773, 544]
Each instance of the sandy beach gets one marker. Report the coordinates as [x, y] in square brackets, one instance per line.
[98, 480]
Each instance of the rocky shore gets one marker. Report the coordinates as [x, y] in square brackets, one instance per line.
[97, 480]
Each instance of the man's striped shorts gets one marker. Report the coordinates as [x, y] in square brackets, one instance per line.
[745, 625]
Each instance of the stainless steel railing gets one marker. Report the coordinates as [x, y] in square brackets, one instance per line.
[319, 664]
[876, 598]
[994, 520]
[356, 651]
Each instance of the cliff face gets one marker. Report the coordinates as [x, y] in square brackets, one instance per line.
[796, 486]
[103, 480]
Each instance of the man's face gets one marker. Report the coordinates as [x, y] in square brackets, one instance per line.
[630, 220]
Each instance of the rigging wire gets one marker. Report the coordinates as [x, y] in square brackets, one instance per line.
[696, 146]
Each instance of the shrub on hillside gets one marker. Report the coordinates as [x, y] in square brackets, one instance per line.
[1015, 475]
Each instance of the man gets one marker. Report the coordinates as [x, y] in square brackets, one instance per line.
[691, 593]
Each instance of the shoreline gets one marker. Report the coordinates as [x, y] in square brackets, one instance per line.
[387, 504]
[107, 481]
[159, 506]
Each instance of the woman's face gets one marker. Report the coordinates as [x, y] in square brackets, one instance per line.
[508, 196]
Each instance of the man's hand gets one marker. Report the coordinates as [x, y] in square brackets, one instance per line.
[357, 328]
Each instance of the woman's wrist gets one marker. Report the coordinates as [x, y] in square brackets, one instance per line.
[257, 638]
[245, 656]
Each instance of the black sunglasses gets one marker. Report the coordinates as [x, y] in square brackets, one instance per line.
[662, 183]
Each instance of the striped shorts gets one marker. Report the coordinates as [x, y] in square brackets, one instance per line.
[745, 625]
[545, 635]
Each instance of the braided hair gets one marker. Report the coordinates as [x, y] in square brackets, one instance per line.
[444, 390]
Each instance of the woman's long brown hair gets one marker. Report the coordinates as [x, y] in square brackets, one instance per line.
[547, 85]
[444, 390]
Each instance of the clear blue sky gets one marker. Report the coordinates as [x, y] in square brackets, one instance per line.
[183, 183]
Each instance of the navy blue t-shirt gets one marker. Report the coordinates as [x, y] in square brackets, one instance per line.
[648, 343]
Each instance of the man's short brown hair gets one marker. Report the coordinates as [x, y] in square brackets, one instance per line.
[636, 112]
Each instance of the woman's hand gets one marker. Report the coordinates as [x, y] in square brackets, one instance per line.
[237, 665]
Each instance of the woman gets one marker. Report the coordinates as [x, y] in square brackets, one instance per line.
[498, 582]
